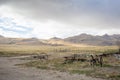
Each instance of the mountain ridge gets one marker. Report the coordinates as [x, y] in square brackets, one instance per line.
[87, 39]
[104, 40]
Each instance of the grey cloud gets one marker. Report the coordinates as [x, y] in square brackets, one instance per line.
[102, 14]
[3, 1]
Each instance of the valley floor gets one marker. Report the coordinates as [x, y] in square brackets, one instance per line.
[8, 71]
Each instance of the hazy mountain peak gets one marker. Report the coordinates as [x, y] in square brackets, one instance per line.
[55, 38]
[83, 34]
[106, 35]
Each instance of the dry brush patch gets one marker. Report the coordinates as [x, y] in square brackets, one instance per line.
[110, 69]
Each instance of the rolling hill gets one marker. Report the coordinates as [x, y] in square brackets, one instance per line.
[21, 41]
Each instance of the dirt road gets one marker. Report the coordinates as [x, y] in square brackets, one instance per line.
[8, 71]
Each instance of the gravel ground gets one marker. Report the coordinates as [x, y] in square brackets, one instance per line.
[8, 71]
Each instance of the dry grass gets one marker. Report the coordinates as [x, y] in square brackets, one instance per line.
[56, 50]
[110, 69]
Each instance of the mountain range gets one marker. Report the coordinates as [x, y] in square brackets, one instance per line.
[87, 39]
[104, 40]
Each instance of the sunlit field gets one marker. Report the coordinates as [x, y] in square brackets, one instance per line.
[55, 50]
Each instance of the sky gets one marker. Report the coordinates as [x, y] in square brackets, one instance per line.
[58, 18]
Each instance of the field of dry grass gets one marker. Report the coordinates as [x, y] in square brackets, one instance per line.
[56, 50]
[110, 69]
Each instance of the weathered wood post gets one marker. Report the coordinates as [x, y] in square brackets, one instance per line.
[101, 60]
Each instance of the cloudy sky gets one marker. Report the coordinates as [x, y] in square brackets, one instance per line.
[61, 18]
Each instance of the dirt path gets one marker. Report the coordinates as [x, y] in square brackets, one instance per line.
[8, 71]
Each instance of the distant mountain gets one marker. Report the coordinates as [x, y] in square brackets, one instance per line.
[4, 40]
[104, 40]
[30, 41]
[55, 38]
[21, 41]
[79, 40]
